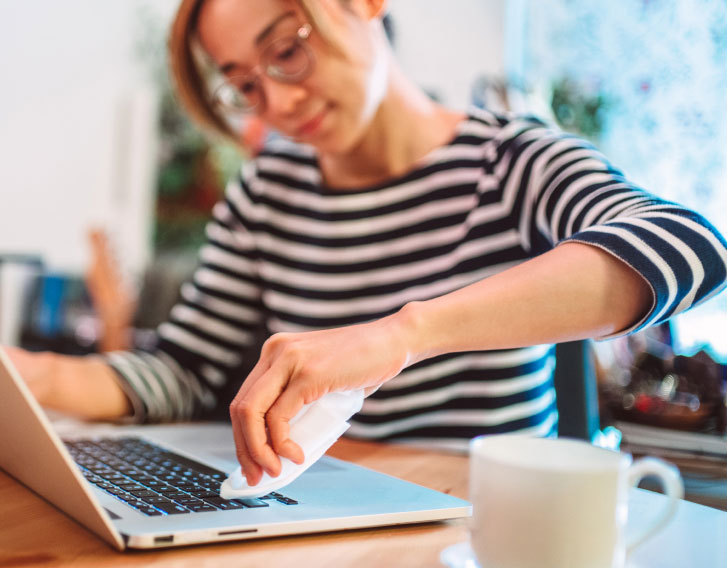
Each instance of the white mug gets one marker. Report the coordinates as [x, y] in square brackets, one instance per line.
[558, 503]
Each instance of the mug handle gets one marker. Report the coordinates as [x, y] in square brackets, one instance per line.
[673, 487]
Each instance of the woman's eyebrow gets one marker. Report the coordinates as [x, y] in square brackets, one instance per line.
[260, 38]
[270, 27]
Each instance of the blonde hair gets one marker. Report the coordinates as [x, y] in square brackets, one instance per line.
[190, 68]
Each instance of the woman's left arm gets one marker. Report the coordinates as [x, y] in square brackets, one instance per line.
[574, 291]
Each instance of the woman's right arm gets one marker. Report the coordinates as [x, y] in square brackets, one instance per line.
[83, 386]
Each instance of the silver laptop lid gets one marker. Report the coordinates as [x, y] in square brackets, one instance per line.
[32, 453]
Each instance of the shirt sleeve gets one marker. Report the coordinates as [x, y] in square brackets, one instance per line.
[570, 192]
[200, 348]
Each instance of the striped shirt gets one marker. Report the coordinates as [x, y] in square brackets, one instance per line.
[287, 253]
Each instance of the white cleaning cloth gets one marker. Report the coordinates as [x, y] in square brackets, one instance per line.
[315, 429]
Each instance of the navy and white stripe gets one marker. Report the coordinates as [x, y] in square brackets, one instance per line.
[286, 253]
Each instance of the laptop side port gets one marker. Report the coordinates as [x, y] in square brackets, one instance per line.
[244, 531]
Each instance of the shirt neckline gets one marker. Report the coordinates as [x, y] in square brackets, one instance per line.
[428, 159]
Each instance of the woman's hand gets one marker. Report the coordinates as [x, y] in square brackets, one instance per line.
[298, 368]
[112, 298]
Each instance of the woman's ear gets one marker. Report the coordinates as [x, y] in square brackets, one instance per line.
[378, 8]
[370, 9]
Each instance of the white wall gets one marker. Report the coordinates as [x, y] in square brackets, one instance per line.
[444, 45]
[77, 129]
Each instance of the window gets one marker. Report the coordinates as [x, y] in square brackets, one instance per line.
[655, 77]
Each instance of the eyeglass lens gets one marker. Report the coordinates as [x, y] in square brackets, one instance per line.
[286, 60]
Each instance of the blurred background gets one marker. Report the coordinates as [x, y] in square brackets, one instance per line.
[91, 138]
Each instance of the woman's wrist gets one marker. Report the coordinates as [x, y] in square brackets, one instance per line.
[86, 387]
[410, 329]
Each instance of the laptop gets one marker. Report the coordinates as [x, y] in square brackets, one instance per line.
[158, 486]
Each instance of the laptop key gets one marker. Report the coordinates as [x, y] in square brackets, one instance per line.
[204, 507]
[286, 500]
[171, 508]
[204, 494]
[115, 478]
[223, 504]
[171, 478]
[143, 493]
[177, 495]
[156, 499]
[144, 479]
[187, 501]
[130, 499]
[253, 503]
[151, 511]
[131, 486]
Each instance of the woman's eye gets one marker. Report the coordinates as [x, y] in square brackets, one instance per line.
[247, 87]
[286, 53]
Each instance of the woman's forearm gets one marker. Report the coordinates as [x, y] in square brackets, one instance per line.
[83, 386]
[572, 292]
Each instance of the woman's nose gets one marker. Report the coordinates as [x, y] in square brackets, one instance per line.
[281, 99]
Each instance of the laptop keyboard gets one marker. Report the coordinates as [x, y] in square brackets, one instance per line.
[154, 480]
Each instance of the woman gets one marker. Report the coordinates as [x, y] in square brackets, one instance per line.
[427, 256]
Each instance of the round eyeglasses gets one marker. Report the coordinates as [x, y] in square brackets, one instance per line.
[286, 60]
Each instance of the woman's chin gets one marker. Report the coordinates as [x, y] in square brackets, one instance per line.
[328, 142]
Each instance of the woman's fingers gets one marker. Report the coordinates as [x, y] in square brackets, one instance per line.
[253, 449]
[249, 413]
[243, 419]
[278, 418]
[252, 471]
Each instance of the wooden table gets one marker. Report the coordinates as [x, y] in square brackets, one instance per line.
[34, 533]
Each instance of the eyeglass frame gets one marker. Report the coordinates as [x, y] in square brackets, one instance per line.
[301, 37]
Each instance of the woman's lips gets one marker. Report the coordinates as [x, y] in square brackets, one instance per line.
[311, 126]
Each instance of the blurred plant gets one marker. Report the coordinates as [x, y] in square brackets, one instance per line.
[575, 107]
[578, 109]
[192, 170]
